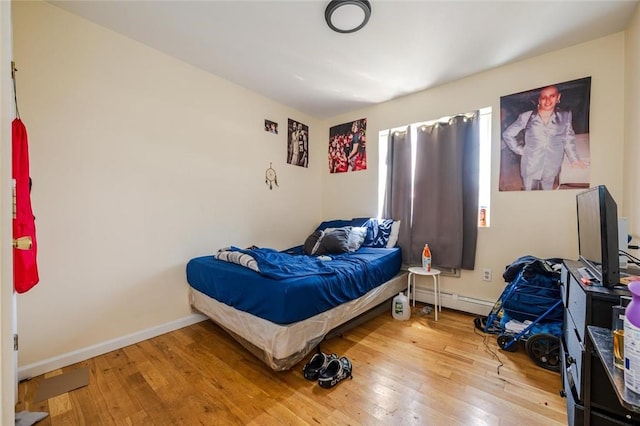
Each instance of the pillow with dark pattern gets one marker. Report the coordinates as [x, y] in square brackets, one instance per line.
[378, 232]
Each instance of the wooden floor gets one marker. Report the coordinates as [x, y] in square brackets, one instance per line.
[418, 372]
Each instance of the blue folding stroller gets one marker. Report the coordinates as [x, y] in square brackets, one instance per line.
[529, 309]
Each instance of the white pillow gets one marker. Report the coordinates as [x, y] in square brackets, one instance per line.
[356, 237]
[393, 237]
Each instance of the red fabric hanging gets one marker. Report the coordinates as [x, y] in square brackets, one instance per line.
[25, 268]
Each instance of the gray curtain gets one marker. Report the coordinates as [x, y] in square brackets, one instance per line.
[397, 198]
[445, 199]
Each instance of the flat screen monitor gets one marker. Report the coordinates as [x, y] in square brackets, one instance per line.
[598, 234]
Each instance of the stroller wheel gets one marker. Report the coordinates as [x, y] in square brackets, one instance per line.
[505, 343]
[544, 350]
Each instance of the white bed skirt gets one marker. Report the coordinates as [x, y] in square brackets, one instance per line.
[283, 346]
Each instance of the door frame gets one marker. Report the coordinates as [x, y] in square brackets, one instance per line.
[8, 357]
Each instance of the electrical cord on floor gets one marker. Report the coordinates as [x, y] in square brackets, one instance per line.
[488, 349]
[630, 257]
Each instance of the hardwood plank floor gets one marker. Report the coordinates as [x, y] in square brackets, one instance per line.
[418, 372]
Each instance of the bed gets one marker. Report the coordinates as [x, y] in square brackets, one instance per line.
[283, 305]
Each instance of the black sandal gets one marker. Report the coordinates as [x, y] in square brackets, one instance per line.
[336, 371]
[316, 365]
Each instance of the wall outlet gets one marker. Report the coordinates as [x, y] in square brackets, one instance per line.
[486, 274]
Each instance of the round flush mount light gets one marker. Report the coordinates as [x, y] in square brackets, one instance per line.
[347, 16]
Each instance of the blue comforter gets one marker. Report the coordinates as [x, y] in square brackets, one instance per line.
[292, 286]
[280, 265]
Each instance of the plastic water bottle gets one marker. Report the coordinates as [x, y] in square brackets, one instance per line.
[400, 307]
[632, 340]
[426, 258]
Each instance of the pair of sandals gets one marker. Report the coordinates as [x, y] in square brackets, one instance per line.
[328, 370]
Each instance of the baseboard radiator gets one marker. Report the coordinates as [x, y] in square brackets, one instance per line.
[455, 301]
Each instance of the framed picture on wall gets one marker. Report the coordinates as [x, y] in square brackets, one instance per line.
[545, 137]
[348, 147]
[298, 144]
[270, 126]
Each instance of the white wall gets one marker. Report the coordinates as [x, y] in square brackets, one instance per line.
[139, 163]
[631, 206]
[541, 223]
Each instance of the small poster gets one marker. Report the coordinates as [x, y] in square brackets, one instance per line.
[298, 144]
[348, 147]
[270, 126]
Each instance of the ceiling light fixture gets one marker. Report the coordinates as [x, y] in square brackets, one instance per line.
[347, 16]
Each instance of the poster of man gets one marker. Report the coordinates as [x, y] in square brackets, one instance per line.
[545, 137]
[298, 144]
[348, 147]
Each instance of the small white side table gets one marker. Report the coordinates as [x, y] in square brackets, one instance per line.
[435, 273]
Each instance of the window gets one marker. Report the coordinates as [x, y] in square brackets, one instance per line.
[484, 192]
[436, 178]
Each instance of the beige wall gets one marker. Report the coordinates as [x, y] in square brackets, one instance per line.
[139, 163]
[542, 224]
[631, 206]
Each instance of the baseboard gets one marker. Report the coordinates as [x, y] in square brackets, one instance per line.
[457, 302]
[50, 364]
[452, 301]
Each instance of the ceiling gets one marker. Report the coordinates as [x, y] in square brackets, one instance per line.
[285, 51]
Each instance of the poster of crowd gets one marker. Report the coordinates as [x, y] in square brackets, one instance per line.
[348, 147]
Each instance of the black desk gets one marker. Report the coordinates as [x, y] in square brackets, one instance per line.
[603, 343]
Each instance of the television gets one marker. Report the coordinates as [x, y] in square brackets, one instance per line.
[598, 235]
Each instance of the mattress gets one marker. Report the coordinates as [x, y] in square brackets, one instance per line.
[290, 300]
[283, 346]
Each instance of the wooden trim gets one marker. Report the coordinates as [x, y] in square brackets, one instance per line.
[63, 360]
